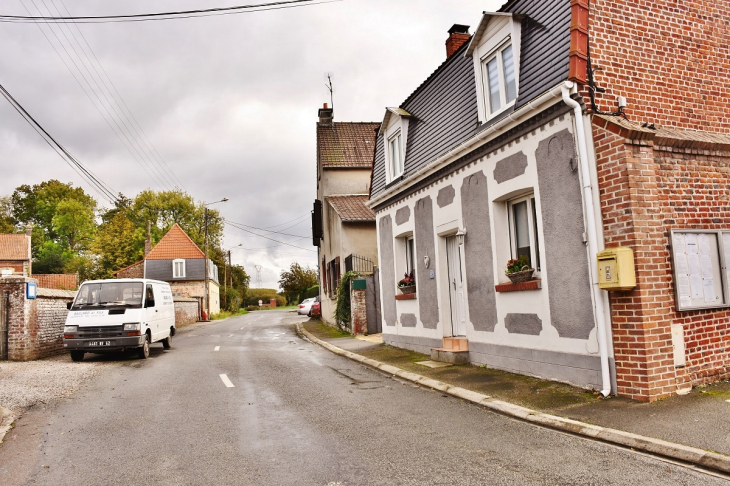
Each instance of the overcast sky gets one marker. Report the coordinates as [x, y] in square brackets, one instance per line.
[228, 102]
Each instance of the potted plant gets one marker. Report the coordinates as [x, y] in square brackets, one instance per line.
[519, 270]
[407, 285]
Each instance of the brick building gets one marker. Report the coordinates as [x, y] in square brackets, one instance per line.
[15, 254]
[599, 125]
[178, 260]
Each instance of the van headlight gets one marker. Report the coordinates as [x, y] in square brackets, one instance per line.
[70, 328]
[132, 326]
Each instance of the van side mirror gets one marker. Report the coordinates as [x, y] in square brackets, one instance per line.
[149, 303]
[69, 304]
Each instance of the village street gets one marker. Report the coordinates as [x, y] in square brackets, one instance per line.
[246, 401]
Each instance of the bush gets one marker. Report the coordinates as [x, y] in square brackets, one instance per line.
[342, 311]
[309, 293]
[252, 308]
[254, 295]
[232, 300]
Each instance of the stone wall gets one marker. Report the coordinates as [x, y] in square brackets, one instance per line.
[35, 326]
[358, 311]
[187, 310]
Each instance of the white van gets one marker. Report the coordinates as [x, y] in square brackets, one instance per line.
[119, 314]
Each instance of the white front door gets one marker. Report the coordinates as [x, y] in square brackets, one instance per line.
[456, 287]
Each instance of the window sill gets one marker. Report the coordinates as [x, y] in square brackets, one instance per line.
[511, 287]
[406, 296]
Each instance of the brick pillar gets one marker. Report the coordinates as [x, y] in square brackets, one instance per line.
[358, 311]
[22, 320]
[641, 318]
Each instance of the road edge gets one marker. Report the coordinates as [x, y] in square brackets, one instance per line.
[659, 447]
[7, 422]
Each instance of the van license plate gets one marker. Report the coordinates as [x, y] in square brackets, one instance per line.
[100, 343]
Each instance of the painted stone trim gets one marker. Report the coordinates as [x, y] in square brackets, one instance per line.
[425, 246]
[387, 271]
[510, 167]
[445, 196]
[529, 324]
[408, 320]
[402, 215]
[478, 252]
[414, 343]
[566, 259]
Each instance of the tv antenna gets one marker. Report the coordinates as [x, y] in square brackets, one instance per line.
[258, 275]
[330, 88]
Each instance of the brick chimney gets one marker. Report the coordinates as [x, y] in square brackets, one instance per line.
[325, 115]
[458, 36]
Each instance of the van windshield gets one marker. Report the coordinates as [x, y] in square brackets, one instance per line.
[109, 294]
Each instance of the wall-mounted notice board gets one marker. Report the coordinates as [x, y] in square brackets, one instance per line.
[699, 266]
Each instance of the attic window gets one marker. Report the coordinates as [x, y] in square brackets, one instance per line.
[395, 154]
[495, 49]
[498, 73]
[178, 268]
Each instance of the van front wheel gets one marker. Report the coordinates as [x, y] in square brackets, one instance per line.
[144, 351]
[167, 342]
[77, 355]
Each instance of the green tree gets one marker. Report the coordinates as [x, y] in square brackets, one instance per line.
[6, 216]
[74, 223]
[295, 281]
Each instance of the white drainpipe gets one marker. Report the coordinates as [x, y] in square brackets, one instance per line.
[592, 236]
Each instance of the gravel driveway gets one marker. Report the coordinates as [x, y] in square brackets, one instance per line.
[27, 383]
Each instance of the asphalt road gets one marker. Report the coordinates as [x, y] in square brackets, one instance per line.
[246, 401]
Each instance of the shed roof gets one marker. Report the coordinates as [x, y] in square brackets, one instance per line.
[352, 208]
[175, 244]
[346, 145]
[14, 247]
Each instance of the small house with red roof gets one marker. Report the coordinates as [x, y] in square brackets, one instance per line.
[15, 254]
[178, 260]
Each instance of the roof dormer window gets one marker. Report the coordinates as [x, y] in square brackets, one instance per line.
[499, 74]
[495, 49]
[394, 130]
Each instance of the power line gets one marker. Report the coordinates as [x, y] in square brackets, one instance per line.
[152, 176]
[165, 172]
[264, 229]
[236, 225]
[181, 14]
[97, 184]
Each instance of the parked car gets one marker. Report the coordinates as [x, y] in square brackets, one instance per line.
[315, 309]
[119, 314]
[305, 306]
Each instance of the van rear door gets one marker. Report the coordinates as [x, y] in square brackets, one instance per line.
[152, 308]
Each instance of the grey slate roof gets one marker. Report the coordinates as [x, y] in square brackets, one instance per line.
[444, 107]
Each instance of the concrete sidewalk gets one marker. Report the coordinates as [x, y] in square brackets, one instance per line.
[694, 428]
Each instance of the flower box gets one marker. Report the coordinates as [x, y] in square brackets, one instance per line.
[407, 289]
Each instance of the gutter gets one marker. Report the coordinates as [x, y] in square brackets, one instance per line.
[503, 125]
[592, 231]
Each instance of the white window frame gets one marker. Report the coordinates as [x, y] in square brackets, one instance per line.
[483, 50]
[532, 229]
[498, 55]
[174, 268]
[395, 172]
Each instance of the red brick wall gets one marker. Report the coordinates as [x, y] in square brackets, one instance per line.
[670, 59]
[645, 191]
[135, 271]
[62, 281]
[14, 264]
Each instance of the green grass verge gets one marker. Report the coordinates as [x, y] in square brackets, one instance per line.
[226, 314]
[323, 331]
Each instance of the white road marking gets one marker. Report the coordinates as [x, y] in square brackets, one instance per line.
[226, 381]
[217, 348]
[230, 335]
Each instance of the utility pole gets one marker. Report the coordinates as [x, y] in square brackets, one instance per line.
[206, 305]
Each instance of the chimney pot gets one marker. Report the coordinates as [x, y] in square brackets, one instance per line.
[458, 36]
[29, 230]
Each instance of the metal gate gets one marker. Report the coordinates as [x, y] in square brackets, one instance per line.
[372, 303]
[4, 318]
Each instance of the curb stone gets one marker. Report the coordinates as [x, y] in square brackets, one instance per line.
[7, 420]
[687, 454]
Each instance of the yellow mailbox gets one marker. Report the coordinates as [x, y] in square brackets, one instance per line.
[616, 269]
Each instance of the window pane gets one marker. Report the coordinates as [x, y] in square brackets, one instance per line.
[493, 81]
[522, 229]
[509, 74]
[393, 160]
[409, 255]
[400, 156]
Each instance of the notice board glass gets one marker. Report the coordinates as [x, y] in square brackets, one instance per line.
[699, 268]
